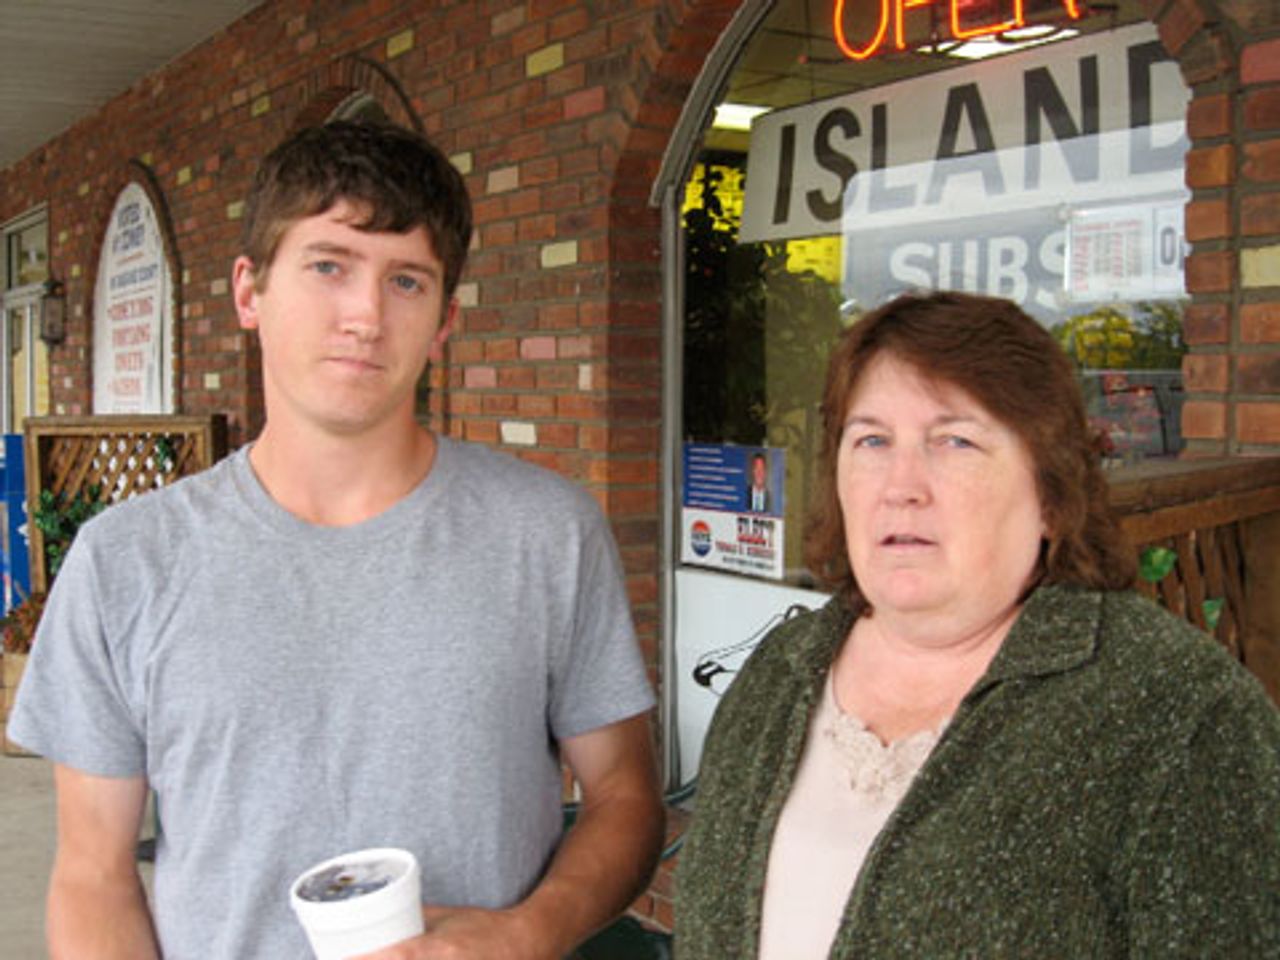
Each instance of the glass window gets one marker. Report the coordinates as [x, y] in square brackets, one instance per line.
[853, 159]
[24, 377]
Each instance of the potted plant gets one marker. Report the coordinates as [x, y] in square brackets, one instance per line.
[19, 632]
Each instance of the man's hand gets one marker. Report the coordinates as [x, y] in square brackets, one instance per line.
[602, 864]
[463, 933]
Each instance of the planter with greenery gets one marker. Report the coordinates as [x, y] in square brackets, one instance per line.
[19, 632]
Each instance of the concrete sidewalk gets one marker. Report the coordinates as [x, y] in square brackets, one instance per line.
[26, 851]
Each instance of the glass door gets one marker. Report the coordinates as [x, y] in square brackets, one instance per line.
[26, 372]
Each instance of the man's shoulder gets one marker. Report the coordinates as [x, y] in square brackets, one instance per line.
[503, 479]
[188, 498]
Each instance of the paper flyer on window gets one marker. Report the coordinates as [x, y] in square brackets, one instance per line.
[732, 508]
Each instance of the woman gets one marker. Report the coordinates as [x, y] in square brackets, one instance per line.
[985, 745]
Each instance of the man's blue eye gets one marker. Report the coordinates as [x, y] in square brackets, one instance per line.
[871, 440]
[407, 283]
[325, 267]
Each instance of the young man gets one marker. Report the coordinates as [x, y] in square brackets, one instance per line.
[352, 633]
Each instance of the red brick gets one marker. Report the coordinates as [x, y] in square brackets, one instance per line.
[1179, 24]
[1260, 63]
[535, 406]
[1210, 272]
[480, 378]
[1262, 109]
[1260, 214]
[1211, 166]
[1260, 323]
[501, 349]
[1209, 117]
[538, 348]
[1258, 373]
[1207, 220]
[1204, 323]
[1262, 161]
[1204, 420]
[584, 103]
[1258, 422]
[498, 404]
[562, 435]
[1205, 372]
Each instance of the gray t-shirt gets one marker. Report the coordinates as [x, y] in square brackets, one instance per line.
[293, 692]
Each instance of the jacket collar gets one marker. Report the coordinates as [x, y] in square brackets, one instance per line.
[1056, 631]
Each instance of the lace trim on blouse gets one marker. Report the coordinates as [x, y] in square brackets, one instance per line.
[877, 772]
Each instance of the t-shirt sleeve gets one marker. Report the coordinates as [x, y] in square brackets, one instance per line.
[72, 705]
[598, 674]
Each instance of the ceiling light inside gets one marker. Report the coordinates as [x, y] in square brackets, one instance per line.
[991, 45]
[736, 116]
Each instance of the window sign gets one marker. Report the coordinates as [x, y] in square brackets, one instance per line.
[733, 509]
[719, 622]
[1101, 119]
[133, 312]
[1126, 252]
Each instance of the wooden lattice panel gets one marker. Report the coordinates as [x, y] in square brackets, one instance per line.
[122, 456]
[1204, 512]
[1210, 567]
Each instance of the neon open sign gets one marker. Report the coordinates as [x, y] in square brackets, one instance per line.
[962, 22]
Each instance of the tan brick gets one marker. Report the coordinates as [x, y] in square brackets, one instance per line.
[1260, 266]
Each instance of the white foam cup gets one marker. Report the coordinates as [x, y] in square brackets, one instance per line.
[347, 922]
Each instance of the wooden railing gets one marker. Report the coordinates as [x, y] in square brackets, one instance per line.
[116, 457]
[1221, 521]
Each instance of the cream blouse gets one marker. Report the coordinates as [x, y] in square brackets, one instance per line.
[847, 785]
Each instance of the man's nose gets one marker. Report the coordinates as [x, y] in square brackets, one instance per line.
[362, 309]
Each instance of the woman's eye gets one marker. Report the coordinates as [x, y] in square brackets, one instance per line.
[870, 440]
[325, 267]
[958, 442]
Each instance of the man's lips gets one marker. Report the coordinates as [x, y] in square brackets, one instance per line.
[358, 363]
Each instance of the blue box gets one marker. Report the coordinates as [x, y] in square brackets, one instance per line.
[16, 552]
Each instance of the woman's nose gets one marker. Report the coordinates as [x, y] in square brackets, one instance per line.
[907, 481]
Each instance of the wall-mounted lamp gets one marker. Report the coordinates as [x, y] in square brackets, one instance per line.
[53, 312]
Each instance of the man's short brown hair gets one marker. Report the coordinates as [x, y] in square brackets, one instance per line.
[399, 179]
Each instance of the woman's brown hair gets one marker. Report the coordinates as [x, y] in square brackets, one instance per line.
[1005, 360]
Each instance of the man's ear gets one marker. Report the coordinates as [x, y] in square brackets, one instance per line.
[448, 320]
[245, 292]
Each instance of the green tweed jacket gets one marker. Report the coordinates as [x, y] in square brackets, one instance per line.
[1110, 788]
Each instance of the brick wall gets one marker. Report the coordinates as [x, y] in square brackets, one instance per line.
[558, 112]
[1230, 57]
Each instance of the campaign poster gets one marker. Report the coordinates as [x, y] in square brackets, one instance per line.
[732, 508]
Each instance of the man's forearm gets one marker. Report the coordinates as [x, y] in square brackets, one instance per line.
[96, 914]
[604, 863]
